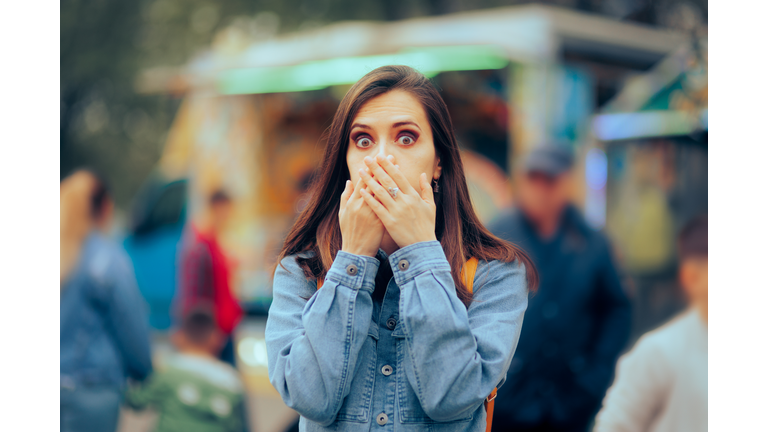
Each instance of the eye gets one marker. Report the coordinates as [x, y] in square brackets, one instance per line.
[406, 140]
[364, 142]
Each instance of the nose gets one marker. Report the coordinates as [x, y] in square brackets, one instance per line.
[382, 150]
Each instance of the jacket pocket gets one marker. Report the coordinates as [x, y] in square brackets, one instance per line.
[357, 405]
[407, 401]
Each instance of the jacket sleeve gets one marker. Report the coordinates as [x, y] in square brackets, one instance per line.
[456, 356]
[314, 336]
[128, 321]
[639, 391]
[614, 311]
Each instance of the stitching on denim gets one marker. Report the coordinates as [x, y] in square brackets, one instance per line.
[415, 247]
[430, 262]
[421, 269]
[372, 381]
[409, 343]
[409, 277]
[353, 282]
[347, 349]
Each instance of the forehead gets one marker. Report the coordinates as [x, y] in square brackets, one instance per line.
[391, 107]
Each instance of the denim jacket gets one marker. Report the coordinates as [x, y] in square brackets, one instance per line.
[104, 331]
[417, 360]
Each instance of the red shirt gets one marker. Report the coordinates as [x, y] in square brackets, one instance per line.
[205, 279]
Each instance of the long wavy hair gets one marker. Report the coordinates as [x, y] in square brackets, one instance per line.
[457, 227]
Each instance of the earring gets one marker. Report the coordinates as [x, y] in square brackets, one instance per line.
[436, 186]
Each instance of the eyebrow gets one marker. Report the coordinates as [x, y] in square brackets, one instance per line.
[405, 123]
[398, 124]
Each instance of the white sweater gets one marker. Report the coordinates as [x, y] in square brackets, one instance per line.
[661, 384]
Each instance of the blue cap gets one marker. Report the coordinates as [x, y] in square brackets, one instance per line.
[549, 159]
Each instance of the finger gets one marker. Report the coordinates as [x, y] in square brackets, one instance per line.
[392, 159]
[379, 174]
[377, 190]
[378, 209]
[346, 194]
[426, 189]
[355, 194]
[395, 174]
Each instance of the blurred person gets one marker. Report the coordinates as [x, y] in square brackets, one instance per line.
[579, 320]
[194, 391]
[374, 322]
[104, 333]
[206, 271]
[661, 384]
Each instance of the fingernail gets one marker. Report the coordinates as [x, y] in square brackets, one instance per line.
[368, 159]
[390, 157]
[397, 166]
[361, 171]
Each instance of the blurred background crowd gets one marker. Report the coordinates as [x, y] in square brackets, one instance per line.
[201, 125]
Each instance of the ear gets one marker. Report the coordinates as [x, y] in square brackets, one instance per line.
[686, 275]
[438, 169]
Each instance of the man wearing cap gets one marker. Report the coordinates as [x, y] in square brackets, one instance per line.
[578, 322]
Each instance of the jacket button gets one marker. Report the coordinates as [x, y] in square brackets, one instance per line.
[391, 323]
[382, 419]
[386, 370]
[403, 265]
[351, 269]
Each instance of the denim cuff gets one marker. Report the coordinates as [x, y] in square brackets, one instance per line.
[354, 271]
[410, 261]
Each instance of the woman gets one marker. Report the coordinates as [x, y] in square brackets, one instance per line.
[371, 324]
[103, 331]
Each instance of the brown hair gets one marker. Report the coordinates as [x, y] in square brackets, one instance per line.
[199, 323]
[82, 197]
[457, 227]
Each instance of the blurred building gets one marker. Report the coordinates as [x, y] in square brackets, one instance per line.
[631, 100]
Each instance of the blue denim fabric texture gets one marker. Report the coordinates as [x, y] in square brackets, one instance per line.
[92, 409]
[417, 360]
[104, 326]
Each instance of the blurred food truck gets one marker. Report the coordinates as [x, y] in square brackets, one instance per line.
[646, 174]
[253, 112]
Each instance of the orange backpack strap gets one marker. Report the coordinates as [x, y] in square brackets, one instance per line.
[468, 275]
[468, 272]
[489, 410]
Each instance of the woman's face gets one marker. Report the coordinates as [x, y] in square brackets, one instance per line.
[396, 124]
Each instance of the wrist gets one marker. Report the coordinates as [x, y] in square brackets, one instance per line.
[419, 240]
[359, 251]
